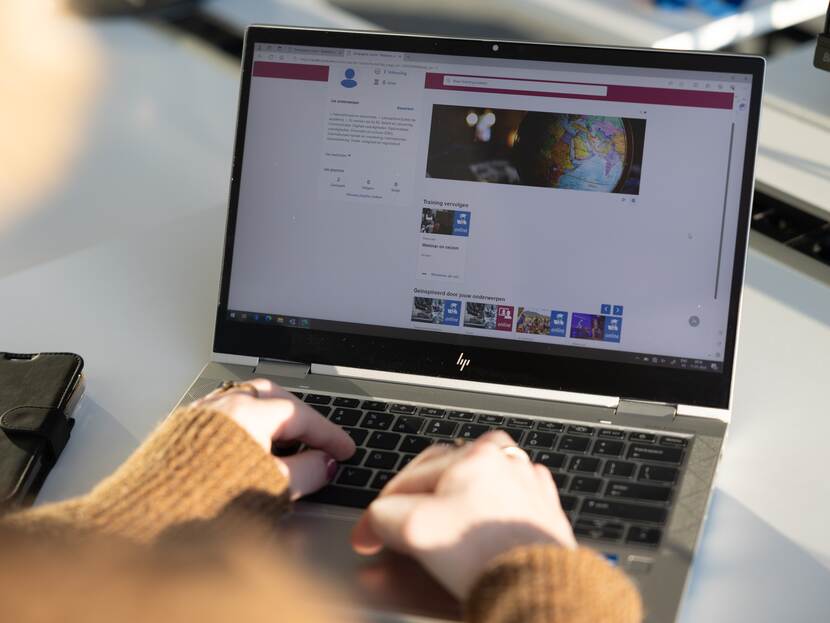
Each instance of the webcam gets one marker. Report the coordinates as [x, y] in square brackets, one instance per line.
[495, 47]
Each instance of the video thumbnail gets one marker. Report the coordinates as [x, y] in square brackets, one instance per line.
[544, 149]
[487, 316]
[445, 222]
[436, 311]
[533, 321]
[594, 327]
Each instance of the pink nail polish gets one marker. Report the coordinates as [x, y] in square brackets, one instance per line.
[331, 469]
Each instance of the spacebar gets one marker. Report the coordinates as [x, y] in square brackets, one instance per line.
[343, 496]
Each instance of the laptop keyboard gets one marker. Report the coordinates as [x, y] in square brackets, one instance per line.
[615, 484]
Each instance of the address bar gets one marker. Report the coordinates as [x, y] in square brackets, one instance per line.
[524, 85]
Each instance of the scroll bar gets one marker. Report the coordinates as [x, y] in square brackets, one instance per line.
[723, 216]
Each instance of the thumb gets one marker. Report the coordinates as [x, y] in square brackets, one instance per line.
[387, 522]
[308, 471]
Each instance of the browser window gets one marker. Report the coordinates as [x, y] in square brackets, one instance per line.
[533, 206]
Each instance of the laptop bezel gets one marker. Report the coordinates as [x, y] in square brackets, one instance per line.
[562, 373]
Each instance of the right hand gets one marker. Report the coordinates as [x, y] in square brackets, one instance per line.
[455, 509]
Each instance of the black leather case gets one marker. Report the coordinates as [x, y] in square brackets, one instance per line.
[37, 394]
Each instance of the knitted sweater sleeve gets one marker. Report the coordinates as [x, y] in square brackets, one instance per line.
[549, 584]
[197, 465]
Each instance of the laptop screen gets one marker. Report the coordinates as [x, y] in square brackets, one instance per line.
[554, 208]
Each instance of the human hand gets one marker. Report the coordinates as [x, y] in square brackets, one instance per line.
[455, 509]
[275, 416]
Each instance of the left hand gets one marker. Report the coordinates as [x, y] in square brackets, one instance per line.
[277, 416]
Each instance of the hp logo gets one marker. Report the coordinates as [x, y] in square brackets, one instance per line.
[463, 363]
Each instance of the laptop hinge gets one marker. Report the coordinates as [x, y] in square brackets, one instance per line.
[643, 407]
[290, 369]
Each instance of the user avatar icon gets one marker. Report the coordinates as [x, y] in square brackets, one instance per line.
[349, 81]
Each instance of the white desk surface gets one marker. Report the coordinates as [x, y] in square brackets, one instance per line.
[122, 266]
[794, 145]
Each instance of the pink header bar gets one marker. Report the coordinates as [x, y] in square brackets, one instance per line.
[291, 71]
[613, 92]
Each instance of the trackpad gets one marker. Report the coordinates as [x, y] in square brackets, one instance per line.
[387, 582]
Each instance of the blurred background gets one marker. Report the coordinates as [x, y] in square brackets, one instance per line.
[79, 114]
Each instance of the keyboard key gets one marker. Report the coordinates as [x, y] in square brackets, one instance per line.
[648, 437]
[357, 434]
[380, 480]
[298, 395]
[579, 429]
[677, 442]
[350, 403]
[635, 491]
[550, 427]
[374, 405]
[343, 496]
[655, 453]
[408, 424]
[568, 502]
[381, 459]
[561, 481]
[472, 431]
[432, 412]
[552, 460]
[377, 420]
[346, 417]
[490, 419]
[405, 409]
[535, 439]
[515, 433]
[405, 459]
[356, 458]
[620, 510]
[620, 469]
[584, 464]
[657, 473]
[415, 444]
[384, 441]
[610, 433]
[441, 428]
[586, 485]
[643, 536]
[520, 422]
[461, 416]
[318, 399]
[324, 411]
[598, 529]
[608, 448]
[574, 444]
[354, 476]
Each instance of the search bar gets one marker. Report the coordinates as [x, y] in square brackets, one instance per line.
[526, 85]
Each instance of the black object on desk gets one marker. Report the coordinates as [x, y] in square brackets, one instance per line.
[38, 393]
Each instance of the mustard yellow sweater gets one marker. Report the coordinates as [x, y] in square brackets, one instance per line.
[160, 540]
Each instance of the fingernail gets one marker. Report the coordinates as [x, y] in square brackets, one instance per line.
[331, 469]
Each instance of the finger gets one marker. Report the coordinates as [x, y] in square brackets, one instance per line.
[544, 477]
[384, 524]
[424, 471]
[497, 437]
[304, 424]
[308, 471]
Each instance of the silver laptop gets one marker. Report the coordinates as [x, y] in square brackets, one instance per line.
[429, 238]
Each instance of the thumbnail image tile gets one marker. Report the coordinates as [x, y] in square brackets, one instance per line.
[480, 316]
[544, 149]
[588, 326]
[534, 321]
[445, 222]
[504, 318]
[558, 323]
[427, 310]
[436, 311]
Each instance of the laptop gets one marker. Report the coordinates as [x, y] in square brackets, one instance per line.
[429, 238]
